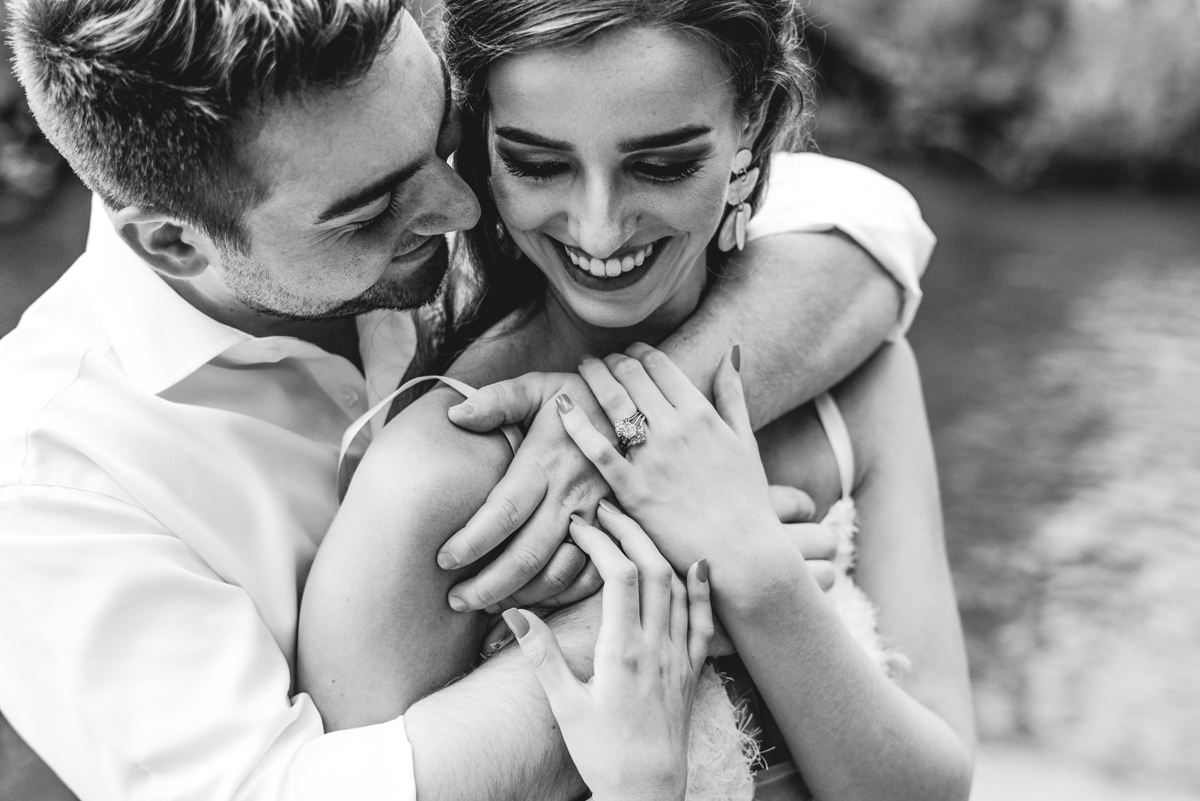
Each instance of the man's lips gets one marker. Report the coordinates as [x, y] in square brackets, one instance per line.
[421, 253]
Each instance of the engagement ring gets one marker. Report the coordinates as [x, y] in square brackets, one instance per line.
[630, 431]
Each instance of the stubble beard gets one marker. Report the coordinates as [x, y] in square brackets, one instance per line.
[252, 286]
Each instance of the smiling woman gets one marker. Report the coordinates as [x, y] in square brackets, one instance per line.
[607, 140]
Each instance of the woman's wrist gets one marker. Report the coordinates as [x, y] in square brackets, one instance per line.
[758, 578]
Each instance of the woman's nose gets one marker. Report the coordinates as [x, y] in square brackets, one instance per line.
[600, 226]
[447, 203]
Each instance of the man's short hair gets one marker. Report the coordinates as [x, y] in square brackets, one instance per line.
[151, 100]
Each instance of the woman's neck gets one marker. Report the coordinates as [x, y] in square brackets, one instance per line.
[573, 336]
[555, 338]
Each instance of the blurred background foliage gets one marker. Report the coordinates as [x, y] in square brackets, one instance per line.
[1033, 91]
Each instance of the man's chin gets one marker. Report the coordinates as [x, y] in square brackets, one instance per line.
[419, 286]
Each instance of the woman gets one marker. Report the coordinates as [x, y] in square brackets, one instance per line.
[618, 147]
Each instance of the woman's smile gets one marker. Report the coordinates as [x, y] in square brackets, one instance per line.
[623, 269]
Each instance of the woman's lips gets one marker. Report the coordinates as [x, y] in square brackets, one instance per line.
[579, 265]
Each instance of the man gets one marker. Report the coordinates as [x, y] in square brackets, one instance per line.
[272, 187]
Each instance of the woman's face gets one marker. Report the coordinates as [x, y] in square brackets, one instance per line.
[609, 164]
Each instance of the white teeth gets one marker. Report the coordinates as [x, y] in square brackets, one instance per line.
[611, 267]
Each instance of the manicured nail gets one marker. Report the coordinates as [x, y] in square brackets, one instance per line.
[458, 604]
[494, 609]
[579, 520]
[447, 561]
[463, 408]
[587, 357]
[735, 356]
[565, 404]
[608, 507]
[516, 623]
[702, 571]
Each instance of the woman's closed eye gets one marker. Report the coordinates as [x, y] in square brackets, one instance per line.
[548, 169]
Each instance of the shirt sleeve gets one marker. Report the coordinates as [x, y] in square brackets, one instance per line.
[137, 673]
[811, 193]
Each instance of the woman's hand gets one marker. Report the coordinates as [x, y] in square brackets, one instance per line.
[627, 729]
[696, 484]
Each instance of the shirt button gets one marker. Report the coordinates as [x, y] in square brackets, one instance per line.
[349, 396]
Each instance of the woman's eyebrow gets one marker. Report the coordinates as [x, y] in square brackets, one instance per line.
[523, 137]
[666, 139]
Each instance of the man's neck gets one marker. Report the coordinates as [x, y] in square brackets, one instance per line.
[338, 336]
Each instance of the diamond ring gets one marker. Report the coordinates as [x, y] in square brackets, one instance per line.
[630, 431]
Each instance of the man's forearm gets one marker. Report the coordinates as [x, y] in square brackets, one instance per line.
[492, 735]
[806, 309]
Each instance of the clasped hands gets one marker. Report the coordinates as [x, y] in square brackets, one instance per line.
[550, 479]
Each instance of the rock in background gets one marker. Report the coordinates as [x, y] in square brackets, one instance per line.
[1032, 90]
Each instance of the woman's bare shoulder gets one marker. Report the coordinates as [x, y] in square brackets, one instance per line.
[428, 470]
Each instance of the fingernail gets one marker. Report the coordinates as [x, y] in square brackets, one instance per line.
[458, 604]
[516, 623]
[446, 561]
[493, 609]
[463, 408]
[735, 356]
[579, 520]
[587, 357]
[565, 404]
[608, 507]
[702, 571]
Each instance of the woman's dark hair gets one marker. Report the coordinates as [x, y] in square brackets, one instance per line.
[758, 42]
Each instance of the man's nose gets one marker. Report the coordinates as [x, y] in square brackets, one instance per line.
[447, 203]
[598, 223]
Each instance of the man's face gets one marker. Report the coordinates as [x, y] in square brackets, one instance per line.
[360, 194]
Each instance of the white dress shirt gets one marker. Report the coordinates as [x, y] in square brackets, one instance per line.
[165, 481]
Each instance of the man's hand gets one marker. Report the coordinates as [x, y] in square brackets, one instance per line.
[548, 481]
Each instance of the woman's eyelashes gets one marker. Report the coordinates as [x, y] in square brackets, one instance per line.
[548, 169]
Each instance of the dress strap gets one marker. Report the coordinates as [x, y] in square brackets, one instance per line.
[839, 439]
[511, 433]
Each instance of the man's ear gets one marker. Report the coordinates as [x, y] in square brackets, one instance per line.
[174, 249]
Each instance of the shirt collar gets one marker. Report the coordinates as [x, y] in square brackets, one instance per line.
[161, 339]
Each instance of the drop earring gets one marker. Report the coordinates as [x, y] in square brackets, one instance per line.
[733, 230]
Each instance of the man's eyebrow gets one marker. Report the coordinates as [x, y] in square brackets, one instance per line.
[367, 196]
[666, 139]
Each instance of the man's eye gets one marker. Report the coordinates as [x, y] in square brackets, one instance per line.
[382, 219]
[537, 170]
[667, 173]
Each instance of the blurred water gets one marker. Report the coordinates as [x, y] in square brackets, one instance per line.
[1060, 346]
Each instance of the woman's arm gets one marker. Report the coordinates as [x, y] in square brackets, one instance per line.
[376, 632]
[854, 733]
[697, 487]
